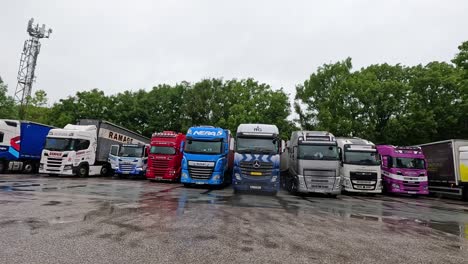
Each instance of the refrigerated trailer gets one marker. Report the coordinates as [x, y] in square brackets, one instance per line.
[83, 149]
[447, 166]
[21, 144]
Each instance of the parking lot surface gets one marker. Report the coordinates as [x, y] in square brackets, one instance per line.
[108, 220]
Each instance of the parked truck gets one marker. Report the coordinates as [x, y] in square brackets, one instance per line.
[257, 158]
[21, 144]
[403, 170]
[165, 156]
[314, 163]
[360, 165]
[83, 149]
[447, 167]
[207, 157]
[129, 159]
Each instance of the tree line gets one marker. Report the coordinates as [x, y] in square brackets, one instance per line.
[384, 103]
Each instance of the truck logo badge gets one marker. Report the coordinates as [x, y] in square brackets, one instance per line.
[256, 164]
[257, 129]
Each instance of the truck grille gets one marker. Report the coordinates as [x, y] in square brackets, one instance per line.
[320, 179]
[363, 180]
[197, 172]
[320, 173]
[53, 164]
[126, 167]
[363, 176]
[159, 167]
[249, 168]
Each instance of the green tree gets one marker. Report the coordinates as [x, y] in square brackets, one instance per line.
[37, 110]
[8, 108]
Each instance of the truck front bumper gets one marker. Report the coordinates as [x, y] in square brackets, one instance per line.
[375, 187]
[325, 185]
[402, 187]
[62, 170]
[215, 179]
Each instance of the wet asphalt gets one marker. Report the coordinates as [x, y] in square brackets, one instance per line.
[107, 220]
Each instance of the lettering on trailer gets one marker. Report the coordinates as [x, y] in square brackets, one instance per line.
[258, 129]
[120, 137]
[207, 133]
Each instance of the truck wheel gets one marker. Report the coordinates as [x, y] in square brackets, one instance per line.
[2, 166]
[105, 170]
[83, 171]
[465, 193]
[28, 168]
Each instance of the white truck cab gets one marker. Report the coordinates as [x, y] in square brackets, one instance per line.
[360, 165]
[71, 151]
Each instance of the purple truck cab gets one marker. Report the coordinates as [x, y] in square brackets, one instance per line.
[403, 170]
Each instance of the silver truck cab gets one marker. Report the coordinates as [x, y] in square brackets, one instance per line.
[314, 163]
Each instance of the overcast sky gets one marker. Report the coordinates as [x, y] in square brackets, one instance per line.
[129, 45]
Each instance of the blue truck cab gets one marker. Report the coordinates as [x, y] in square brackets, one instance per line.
[207, 157]
[257, 158]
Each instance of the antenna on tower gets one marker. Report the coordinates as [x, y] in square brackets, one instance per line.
[27, 65]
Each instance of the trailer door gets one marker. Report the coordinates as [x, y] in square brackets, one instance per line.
[464, 164]
[440, 161]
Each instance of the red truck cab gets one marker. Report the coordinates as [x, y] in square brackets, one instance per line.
[165, 156]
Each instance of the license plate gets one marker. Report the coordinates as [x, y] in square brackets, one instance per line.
[412, 192]
[158, 178]
[125, 172]
[256, 187]
[199, 183]
[255, 173]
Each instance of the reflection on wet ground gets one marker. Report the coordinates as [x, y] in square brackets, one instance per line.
[449, 217]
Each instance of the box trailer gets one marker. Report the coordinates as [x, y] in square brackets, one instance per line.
[447, 166]
[21, 144]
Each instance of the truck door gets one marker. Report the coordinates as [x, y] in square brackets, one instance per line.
[464, 164]
[114, 156]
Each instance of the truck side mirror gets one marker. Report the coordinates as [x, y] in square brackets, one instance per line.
[146, 151]
[283, 146]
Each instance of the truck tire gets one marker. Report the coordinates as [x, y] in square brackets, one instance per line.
[105, 170]
[3, 166]
[82, 171]
[28, 167]
[465, 193]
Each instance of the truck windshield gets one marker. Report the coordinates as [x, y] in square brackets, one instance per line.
[131, 151]
[318, 152]
[409, 163]
[59, 144]
[361, 158]
[162, 150]
[203, 147]
[257, 145]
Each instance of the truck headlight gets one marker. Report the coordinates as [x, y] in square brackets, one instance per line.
[139, 168]
[395, 186]
[67, 167]
[216, 177]
[273, 179]
[184, 175]
[41, 166]
[238, 177]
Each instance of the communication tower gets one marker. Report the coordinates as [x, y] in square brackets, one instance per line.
[27, 65]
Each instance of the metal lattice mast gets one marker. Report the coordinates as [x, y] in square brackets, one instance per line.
[28, 63]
